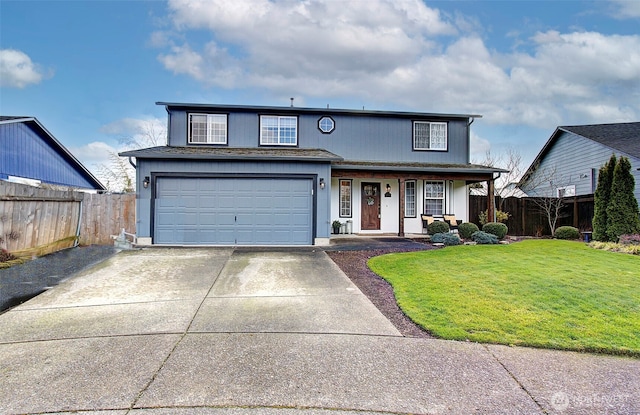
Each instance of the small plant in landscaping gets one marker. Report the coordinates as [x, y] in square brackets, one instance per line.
[438, 227]
[567, 232]
[448, 239]
[614, 247]
[500, 217]
[633, 239]
[498, 229]
[465, 230]
[482, 238]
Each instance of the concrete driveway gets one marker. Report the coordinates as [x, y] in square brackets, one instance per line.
[204, 331]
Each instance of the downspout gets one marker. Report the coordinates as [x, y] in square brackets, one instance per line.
[132, 163]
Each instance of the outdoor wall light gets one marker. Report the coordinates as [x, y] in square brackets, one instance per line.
[388, 193]
[145, 182]
[322, 183]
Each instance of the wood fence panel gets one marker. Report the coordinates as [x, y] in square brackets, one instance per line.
[104, 215]
[526, 219]
[39, 221]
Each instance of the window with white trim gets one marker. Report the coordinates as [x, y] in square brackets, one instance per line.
[345, 198]
[410, 199]
[429, 135]
[208, 128]
[277, 130]
[434, 198]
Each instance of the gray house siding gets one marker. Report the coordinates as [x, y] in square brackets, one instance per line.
[355, 138]
[576, 161]
[155, 169]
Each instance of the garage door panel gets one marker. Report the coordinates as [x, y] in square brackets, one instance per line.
[233, 211]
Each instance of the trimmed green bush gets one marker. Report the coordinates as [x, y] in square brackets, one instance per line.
[567, 232]
[438, 227]
[622, 210]
[465, 230]
[498, 229]
[482, 238]
[602, 195]
[449, 239]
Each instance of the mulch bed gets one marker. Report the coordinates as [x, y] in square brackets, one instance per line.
[379, 291]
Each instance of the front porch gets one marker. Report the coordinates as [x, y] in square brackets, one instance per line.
[381, 199]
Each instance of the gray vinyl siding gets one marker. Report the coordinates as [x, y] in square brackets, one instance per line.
[574, 157]
[148, 167]
[355, 138]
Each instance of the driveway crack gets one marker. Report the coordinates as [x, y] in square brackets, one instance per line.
[513, 376]
[184, 334]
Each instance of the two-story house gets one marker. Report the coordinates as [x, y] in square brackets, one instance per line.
[257, 175]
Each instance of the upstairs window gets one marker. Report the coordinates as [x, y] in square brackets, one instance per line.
[430, 135]
[207, 128]
[281, 131]
[434, 198]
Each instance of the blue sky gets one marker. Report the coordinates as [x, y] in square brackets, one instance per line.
[91, 71]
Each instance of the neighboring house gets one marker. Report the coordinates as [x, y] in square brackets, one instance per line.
[569, 162]
[32, 155]
[255, 175]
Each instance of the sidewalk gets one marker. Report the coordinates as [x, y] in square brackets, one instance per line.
[204, 331]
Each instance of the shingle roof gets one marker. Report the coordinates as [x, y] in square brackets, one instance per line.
[225, 153]
[623, 137]
[424, 167]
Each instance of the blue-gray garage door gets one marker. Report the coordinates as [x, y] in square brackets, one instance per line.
[233, 211]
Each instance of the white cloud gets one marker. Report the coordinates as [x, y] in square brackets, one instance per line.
[17, 70]
[404, 54]
[479, 146]
[138, 132]
[626, 9]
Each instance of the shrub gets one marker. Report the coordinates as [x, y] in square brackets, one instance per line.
[498, 229]
[438, 227]
[500, 216]
[481, 237]
[465, 230]
[567, 232]
[445, 238]
[633, 239]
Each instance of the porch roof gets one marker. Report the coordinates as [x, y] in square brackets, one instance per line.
[416, 167]
[231, 153]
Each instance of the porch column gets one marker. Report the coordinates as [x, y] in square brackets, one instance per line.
[401, 204]
[491, 201]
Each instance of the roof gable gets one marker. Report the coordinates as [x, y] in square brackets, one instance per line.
[623, 137]
[38, 130]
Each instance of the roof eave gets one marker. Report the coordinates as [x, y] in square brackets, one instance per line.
[283, 109]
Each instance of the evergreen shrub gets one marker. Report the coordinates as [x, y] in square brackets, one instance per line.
[438, 227]
[465, 230]
[567, 232]
[449, 239]
[481, 237]
[498, 229]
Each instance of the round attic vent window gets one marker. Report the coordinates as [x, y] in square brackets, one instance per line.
[326, 125]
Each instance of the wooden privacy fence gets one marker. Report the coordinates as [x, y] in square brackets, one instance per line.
[526, 219]
[37, 221]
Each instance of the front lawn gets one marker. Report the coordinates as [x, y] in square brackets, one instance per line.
[542, 293]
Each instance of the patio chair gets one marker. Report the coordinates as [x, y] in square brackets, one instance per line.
[426, 221]
[453, 222]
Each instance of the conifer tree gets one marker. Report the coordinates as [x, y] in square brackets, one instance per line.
[623, 216]
[602, 197]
